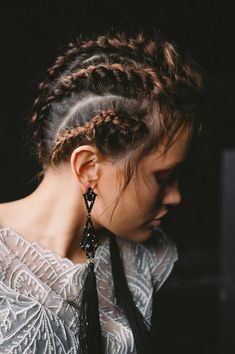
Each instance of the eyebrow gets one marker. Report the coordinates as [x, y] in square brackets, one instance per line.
[173, 164]
[182, 158]
[170, 167]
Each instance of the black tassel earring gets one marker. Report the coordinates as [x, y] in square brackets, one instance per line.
[90, 339]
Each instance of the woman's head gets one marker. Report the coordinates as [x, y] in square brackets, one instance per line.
[127, 100]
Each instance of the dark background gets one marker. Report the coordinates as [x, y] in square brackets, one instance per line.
[195, 307]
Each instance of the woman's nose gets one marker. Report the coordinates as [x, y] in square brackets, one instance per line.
[172, 195]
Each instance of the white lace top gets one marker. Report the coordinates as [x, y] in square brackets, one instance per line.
[35, 283]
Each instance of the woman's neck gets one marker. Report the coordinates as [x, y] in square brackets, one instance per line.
[53, 215]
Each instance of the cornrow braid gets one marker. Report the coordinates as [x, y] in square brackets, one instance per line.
[40, 111]
[146, 78]
[39, 102]
[120, 76]
[150, 51]
[137, 80]
[123, 80]
[71, 51]
[129, 81]
[118, 42]
[115, 130]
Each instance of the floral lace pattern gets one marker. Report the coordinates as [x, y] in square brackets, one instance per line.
[35, 284]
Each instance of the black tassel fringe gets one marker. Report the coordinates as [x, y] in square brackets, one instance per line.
[90, 338]
[125, 301]
[90, 329]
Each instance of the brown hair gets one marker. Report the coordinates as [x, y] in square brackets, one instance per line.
[119, 93]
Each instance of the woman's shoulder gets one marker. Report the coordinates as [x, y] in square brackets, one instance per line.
[158, 254]
[8, 210]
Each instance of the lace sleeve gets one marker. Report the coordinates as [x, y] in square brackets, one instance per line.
[162, 256]
[27, 326]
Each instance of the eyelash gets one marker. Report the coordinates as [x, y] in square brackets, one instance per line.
[169, 176]
[163, 176]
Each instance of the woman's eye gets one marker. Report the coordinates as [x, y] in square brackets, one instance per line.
[163, 176]
[170, 176]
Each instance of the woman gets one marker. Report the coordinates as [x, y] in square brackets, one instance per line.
[83, 255]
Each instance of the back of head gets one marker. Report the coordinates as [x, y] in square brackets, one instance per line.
[120, 93]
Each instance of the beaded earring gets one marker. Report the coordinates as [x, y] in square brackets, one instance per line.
[89, 241]
[90, 338]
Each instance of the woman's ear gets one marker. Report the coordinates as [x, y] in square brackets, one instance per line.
[85, 165]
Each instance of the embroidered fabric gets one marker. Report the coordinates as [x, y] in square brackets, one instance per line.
[35, 284]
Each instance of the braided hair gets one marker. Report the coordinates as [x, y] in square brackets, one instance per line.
[122, 94]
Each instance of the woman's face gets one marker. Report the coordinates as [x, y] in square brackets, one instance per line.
[144, 199]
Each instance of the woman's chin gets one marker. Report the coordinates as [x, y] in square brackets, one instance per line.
[140, 235]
